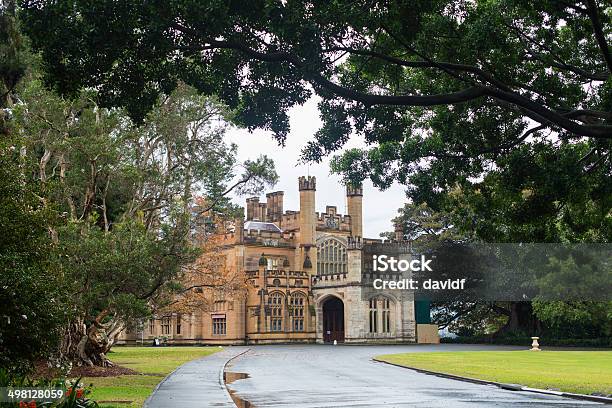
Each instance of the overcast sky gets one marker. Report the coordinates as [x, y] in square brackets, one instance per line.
[379, 207]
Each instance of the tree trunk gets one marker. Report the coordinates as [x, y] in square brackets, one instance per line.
[88, 344]
[521, 319]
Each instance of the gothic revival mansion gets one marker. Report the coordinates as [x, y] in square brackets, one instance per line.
[308, 279]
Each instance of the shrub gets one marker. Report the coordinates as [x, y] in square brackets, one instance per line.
[75, 395]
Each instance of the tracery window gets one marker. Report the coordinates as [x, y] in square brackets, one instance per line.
[331, 257]
[297, 302]
[275, 303]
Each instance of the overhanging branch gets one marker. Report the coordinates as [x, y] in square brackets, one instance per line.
[501, 93]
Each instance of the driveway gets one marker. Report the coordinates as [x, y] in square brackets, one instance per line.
[310, 376]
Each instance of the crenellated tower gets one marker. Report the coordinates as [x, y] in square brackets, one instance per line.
[354, 198]
[307, 258]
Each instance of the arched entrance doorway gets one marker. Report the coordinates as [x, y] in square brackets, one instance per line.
[333, 320]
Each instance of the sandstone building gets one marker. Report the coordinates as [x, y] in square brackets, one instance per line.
[308, 279]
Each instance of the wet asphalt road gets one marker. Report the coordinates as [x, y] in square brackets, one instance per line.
[309, 376]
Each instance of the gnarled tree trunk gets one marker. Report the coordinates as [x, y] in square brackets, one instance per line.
[88, 344]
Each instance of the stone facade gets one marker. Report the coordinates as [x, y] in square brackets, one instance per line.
[307, 280]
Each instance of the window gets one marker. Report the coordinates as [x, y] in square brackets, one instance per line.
[273, 264]
[297, 312]
[331, 257]
[380, 315]
[178, 323]
[219, 325]
[373, 316]
[151, 326]
[165, 324]
[275, 302]
[386, 316]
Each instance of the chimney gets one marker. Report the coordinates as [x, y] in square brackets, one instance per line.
[251, 204]
[239, 229]
[275, 206]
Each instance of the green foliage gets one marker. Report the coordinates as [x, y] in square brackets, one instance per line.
[119, 272]
[494, 62]
[31, 291]
[579, 319]
[127, 192]
[75, 394]
[425, 227]
[522, 339]
[14, 58]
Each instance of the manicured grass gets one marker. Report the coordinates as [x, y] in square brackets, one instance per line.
[583, 372]
[153, 364]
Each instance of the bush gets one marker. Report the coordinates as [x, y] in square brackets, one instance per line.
[31, 294]
[522, 340]
[75, 395]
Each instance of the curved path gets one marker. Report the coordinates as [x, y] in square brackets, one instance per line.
[312, 376]
[198, 383]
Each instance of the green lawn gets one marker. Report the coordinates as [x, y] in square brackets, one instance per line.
[153, 364]
[572, 371]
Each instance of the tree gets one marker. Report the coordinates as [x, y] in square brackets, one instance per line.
[127, 197]
[568, 282]
[31, 290]
[440, 236]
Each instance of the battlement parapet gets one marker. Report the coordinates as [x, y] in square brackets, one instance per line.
[307, 183]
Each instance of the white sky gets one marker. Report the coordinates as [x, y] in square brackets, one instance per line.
[379, 207]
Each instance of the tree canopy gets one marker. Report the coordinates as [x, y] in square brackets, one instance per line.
[489, 64]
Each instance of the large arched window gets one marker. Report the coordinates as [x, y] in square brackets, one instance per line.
[275, 303]
[297, 302]
[331, 257]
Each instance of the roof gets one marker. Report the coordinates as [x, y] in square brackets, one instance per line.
[261, 226]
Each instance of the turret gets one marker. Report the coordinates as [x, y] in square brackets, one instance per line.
[399, 231]
[307, 239]
[354, 198]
